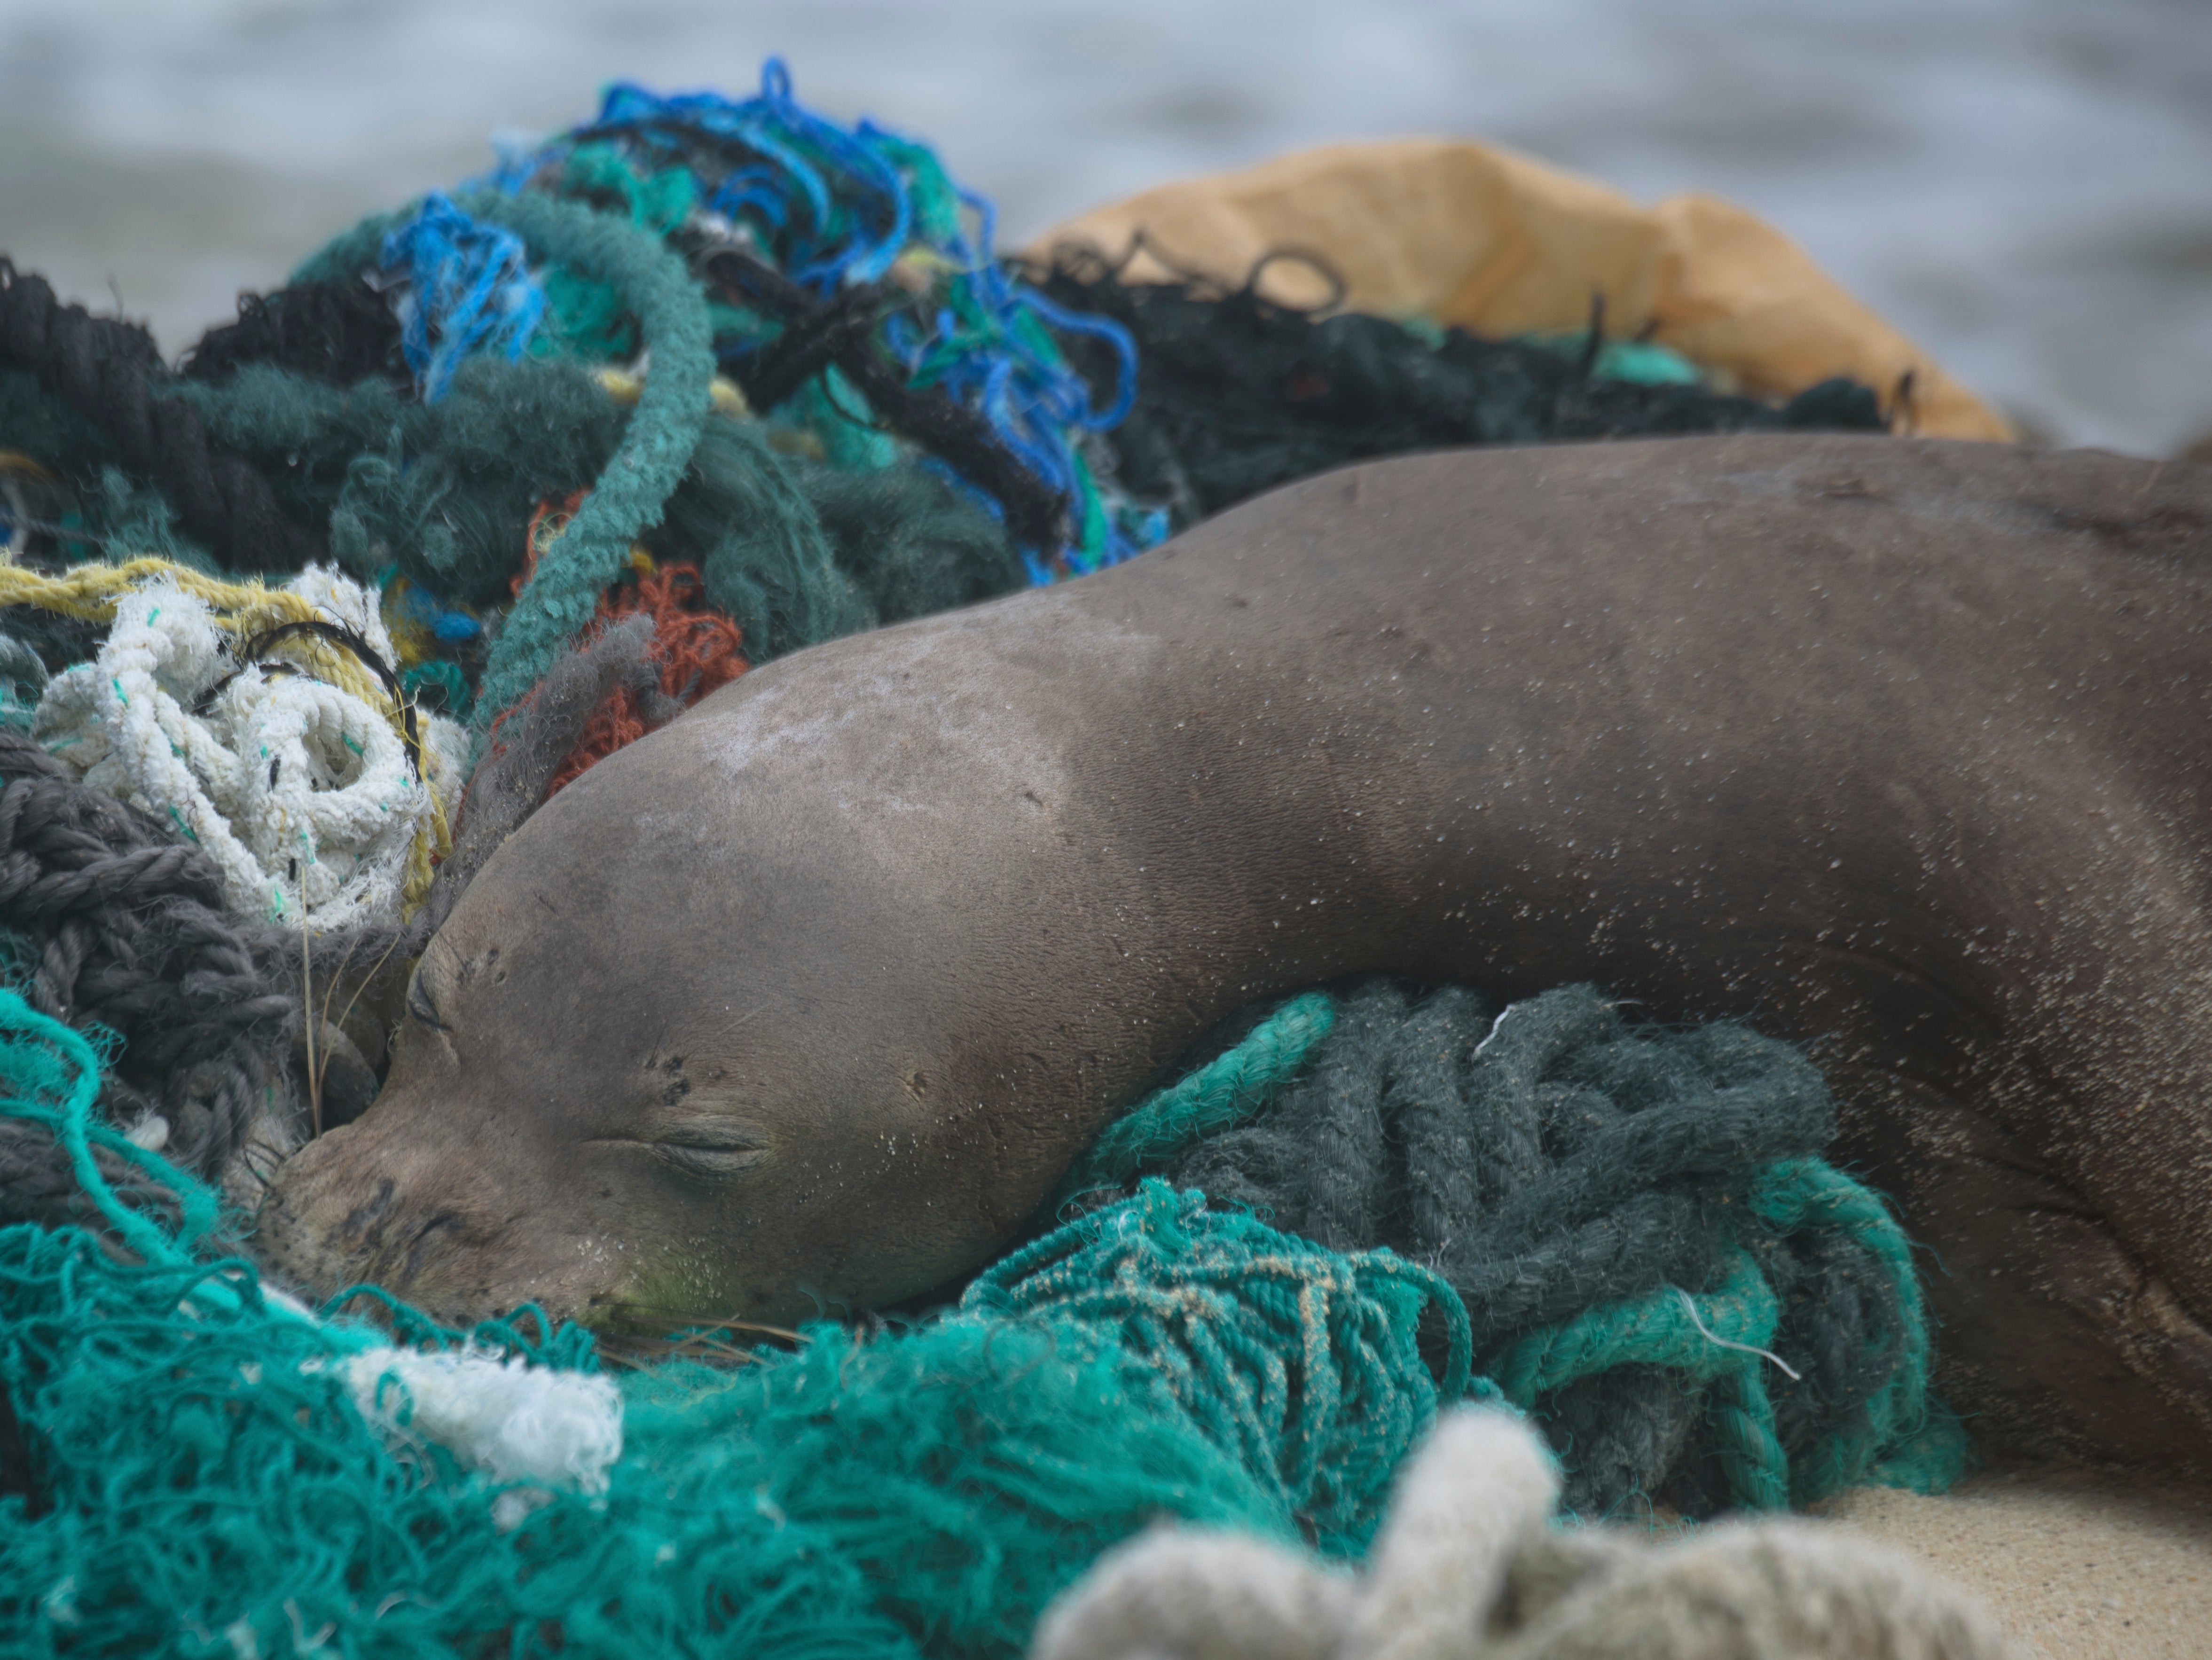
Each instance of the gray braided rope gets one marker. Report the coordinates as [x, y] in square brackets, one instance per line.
[126, 933]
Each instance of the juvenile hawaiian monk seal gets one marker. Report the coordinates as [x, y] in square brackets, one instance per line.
[1897, 747]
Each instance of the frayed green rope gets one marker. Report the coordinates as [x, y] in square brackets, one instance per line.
[632, 492]
[1911, 1440]
[1707, 1336]
[1704, 1336]
[587, 557]
[1718, 1337]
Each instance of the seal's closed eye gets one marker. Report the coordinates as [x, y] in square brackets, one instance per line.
[714, 1148]
[427, 986]
[420, 1006]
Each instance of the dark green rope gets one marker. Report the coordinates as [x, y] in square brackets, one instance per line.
[1662, 1329]
[1714, 1337]
[1929, 1445]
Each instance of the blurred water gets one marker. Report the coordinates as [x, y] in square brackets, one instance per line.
[2025, 186]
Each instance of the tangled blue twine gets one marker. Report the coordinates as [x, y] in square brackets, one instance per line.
[468, 288]
[834, 208]
[1035, 402]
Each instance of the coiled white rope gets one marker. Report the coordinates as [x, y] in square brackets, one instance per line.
[302, 791]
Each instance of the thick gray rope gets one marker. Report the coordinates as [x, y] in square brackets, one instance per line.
[125, 933]
[1557, 1158]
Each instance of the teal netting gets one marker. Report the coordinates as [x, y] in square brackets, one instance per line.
[186, 1471]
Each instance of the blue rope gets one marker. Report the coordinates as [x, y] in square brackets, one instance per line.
[839, 248]
[468, 288]
[1024, 387]
[834, 207]
[1102, 328]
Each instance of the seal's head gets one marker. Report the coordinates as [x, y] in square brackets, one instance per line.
[687, 1050]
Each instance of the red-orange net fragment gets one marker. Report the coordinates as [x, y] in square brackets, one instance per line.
[695, 647]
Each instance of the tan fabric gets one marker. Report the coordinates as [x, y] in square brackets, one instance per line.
[1501, 243]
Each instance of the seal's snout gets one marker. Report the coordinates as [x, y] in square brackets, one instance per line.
[355, 1207]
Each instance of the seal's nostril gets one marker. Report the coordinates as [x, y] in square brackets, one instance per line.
[362, 1217]
[444, 1221]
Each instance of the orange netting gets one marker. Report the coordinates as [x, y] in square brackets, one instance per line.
[695, 646]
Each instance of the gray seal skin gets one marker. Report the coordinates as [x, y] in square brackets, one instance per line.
[1897, 748]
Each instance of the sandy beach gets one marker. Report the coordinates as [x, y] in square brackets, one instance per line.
[2077, 1565]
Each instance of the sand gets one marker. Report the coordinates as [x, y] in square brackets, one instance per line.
[2076, 1566]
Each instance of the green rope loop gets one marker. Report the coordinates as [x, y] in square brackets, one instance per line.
[1901, 1443]
[52, 1079]
[1653, 1330]
[671, 410]
[1662, 1329]
[663, 430]
[1219, 1096]
[1904, 1444]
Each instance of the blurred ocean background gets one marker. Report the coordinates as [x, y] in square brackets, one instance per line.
[2024, 185]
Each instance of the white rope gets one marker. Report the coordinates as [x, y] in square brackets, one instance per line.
[299, 791]
[1470, 1565]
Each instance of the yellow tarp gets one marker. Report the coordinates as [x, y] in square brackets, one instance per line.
[1500, 244]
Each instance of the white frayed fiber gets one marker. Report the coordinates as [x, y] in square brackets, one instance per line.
[1200, 1596]
[300, 790]
[1470, 1565]
[514, 1422]
[1758, 1590]
[1481, 1485]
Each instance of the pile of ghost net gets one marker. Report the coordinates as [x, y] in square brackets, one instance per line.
[292, 636]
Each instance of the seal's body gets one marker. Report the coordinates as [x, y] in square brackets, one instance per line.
[1901, 749]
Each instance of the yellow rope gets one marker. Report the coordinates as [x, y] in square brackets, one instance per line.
[89, 592]
[626, 388]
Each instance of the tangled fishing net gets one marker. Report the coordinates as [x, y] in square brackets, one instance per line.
[926, 1490]
[1636, 1223]
[294, 636]
[200, 1466]
[730, 337]
[515, 474]
[281, 1474]
[1239, 394]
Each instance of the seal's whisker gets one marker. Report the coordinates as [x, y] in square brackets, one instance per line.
[360, 986]
[636, 1333]
[678, 1318]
